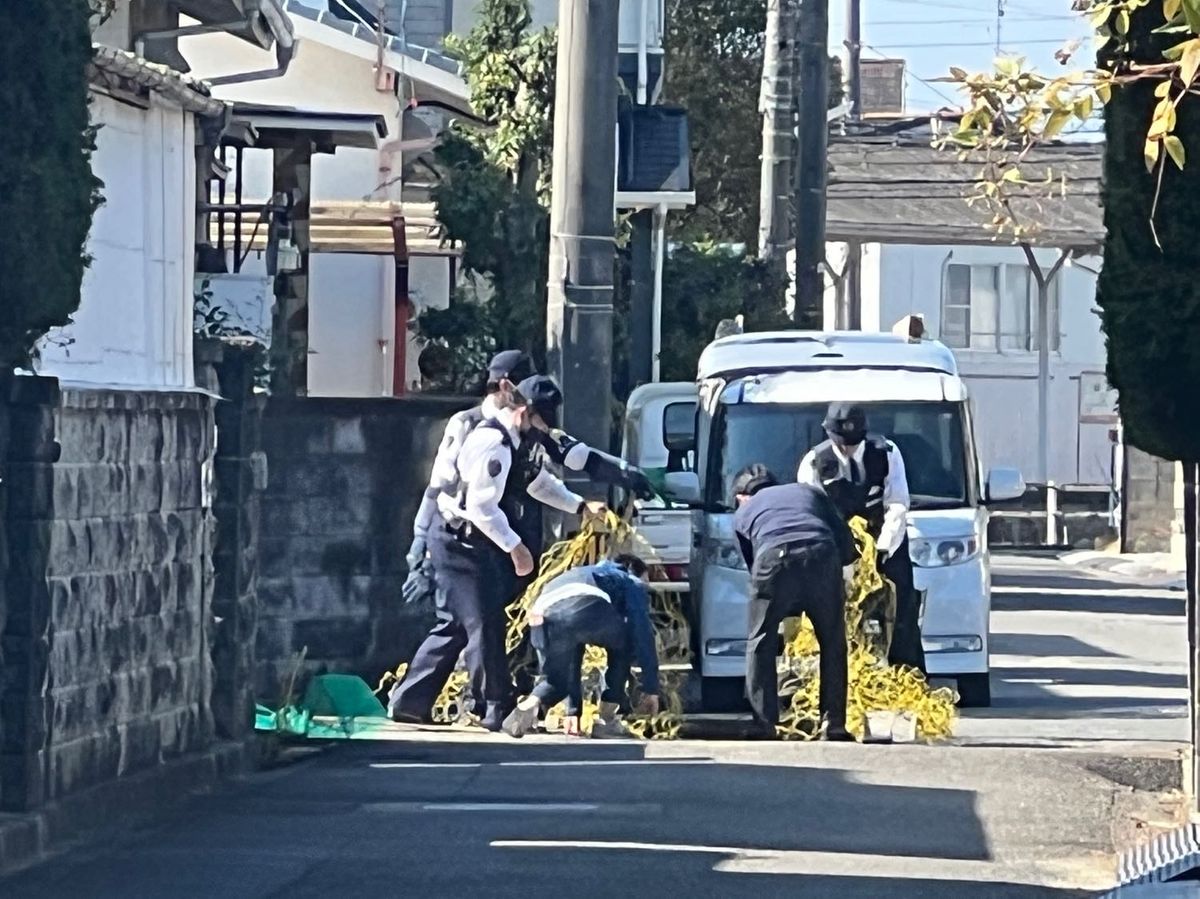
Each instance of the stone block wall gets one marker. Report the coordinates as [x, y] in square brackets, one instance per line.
[106, 655]
[1150, 520]
[240, 477]
[345, 479]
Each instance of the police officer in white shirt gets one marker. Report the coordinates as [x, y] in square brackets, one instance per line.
[863, 474]
[506, 369]
[475, 550]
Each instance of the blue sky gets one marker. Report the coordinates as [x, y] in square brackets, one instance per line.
[936, 34]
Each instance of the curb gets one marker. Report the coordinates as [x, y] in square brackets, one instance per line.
[27, 838]
[1127, 568]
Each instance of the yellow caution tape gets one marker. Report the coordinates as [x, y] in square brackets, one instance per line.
[874, 686]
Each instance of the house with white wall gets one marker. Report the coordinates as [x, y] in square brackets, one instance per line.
[357, 343]
[898, 206]
[154, 146]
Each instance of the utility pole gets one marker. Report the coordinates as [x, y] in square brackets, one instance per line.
[1000, 8]
[582, 217]
[852, 320]
[854, 57]
[775, 104]
[812, 146]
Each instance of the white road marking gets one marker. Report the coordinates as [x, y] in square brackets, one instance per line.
[567, 763]
[385, 766]
[1137, 592]
[743, 860]
[639, 809]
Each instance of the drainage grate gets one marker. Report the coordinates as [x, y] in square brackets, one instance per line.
[1162, 859]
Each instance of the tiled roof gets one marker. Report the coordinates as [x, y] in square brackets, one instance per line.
[191, 94]
[427, 55]
[900, 189]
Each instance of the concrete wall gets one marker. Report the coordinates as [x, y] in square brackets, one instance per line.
[1151, 522]
[345, 477]
[134, 324]
[107, 586]
[900, 280]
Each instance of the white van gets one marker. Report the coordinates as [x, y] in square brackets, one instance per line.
[762, 398]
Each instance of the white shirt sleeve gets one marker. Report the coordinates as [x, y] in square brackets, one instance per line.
[896, 501]
[484, 463]
[577, 456]
[807, 473]
[550, 491]
[444, 473]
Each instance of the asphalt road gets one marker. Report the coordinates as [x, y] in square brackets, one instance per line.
[1076, 657]
[437, 814]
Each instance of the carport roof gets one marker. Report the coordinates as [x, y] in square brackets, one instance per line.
[281, 125]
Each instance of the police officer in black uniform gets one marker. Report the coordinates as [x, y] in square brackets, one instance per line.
[798, 549]
[473, 548]
[864, 475]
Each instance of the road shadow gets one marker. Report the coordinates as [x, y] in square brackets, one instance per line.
[1108, 677]
[357, 822]
[1046, 645]
[1107, 604]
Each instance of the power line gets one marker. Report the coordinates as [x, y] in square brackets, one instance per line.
[933, 87]
[941, 44]
[982, 22]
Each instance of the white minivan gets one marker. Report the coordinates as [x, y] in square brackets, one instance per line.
[761, 398]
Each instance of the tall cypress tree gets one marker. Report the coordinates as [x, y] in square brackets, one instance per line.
[47, 191]
[1149, 292]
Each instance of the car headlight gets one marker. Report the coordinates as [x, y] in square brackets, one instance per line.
[724, 555]
[942, 552]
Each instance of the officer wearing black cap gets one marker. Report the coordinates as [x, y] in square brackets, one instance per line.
[864, 475]
[474, 546]
[797, 548]
[506, 369]
[562, 449]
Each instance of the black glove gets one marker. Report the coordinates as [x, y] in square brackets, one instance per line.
[639, 484]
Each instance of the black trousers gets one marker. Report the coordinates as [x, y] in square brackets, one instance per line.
[568, 627]
[471, 622]
[786, 581]
[906, 646]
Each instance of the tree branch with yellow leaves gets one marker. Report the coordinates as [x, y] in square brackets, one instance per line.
[1013, 109]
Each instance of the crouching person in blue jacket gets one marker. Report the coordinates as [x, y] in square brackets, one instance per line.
[603, 605]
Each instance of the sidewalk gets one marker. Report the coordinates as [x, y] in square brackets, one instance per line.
[1158, 570]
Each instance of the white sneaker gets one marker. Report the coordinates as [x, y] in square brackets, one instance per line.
[609, 729]
[520, 722]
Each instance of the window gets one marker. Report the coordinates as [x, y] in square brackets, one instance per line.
[994, 308]
[929, 435]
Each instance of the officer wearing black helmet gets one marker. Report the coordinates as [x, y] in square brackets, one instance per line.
[863, 473]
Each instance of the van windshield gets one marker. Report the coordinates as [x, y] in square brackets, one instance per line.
[929, 435]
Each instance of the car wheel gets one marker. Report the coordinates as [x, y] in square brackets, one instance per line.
[723, 694]
[974, 691]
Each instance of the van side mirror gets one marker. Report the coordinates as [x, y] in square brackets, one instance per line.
[679, 428]
[683, 487]
[1004, 484]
